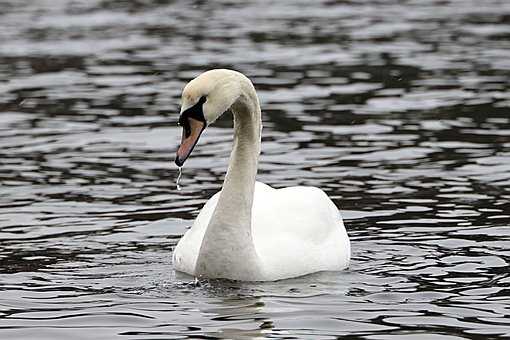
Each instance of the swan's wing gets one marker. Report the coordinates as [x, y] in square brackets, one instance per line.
[303, 213]
[298, 230]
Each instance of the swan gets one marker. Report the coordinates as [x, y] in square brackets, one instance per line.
[249, 231]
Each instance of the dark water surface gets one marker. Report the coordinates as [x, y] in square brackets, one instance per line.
[399, 110]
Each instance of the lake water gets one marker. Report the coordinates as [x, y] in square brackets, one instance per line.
[399, 110]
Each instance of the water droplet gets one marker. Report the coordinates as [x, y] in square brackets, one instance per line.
[179, 179]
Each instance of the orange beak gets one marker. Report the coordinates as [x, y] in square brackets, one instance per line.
[192, 129]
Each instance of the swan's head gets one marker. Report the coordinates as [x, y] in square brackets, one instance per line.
[204, 99]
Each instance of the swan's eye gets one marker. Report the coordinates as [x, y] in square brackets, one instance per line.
[184, 122]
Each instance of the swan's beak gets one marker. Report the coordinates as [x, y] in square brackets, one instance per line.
[191, 131]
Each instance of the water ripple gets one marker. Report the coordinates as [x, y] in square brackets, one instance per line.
[398, 110]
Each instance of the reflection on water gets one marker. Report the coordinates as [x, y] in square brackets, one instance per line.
[399, 110]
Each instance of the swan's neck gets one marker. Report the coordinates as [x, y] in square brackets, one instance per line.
[227, 249]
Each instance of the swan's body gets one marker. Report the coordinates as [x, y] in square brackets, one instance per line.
[250, 231]
[295, 231]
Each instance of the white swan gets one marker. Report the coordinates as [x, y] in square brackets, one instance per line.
[249, 231]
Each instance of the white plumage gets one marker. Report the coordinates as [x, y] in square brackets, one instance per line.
[250, 231]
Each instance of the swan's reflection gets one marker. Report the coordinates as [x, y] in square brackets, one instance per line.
[235, 311]
[256, 310]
